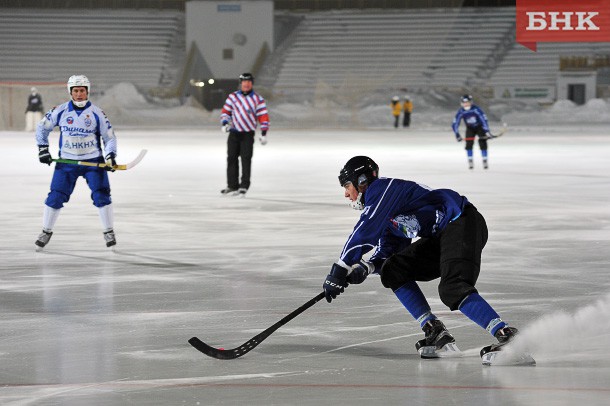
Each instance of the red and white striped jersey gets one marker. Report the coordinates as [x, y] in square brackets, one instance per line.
[244, 111]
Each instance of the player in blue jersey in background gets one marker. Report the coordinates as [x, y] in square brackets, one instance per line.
[83, 126]
[452, 234]
[242, 112]
[476, 125]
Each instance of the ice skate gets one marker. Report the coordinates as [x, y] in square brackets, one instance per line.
[109, 238]
[43, 239]
[439, 343]
[497, 354]
[241, 192]
[228, 191]
[470, 164]
[485, 165]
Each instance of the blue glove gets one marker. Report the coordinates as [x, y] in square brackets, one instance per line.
[458, 137]
[359, 272]
[335, 282]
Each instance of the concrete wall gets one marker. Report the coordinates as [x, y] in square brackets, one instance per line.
[220, 28]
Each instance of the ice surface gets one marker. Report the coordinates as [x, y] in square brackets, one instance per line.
[83, 325]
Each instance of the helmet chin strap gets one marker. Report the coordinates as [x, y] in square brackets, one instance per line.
[80, 103]
[357, 204]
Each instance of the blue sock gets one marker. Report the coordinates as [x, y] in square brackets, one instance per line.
[412, 298]
[484, 154]
[469, 153]
[478, 310]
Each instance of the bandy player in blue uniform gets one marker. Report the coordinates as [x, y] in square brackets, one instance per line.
[83, 126]
[476, 125]
[452, 234]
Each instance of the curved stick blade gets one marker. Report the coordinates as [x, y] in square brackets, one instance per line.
[225, 354]
[254, 341]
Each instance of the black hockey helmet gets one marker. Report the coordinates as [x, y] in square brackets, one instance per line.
[246, 76]
[467, 98]
[359, 171]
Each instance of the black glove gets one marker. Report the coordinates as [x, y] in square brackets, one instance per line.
[359, 272]
[458, 137]
[44, 156]
[110, 162]
[335, 282]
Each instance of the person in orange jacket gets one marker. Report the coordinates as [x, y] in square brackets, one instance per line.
[396, 110]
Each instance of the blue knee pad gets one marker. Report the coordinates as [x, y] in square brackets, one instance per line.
[56, 199]
[101, 197]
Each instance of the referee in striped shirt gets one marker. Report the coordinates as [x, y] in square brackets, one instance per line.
[241, 113]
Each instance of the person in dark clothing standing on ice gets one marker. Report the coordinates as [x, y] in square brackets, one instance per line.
[241, 113]
[34, 110]
[476, 125]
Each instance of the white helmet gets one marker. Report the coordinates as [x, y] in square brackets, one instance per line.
[79, 80]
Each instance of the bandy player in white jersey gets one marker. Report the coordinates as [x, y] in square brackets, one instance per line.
[83, 127]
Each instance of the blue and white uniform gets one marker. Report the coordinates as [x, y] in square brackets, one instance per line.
[85, 135]
[397, 211]
[80, 131]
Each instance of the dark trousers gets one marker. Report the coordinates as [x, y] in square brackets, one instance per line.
[406, 120]
[239, 145]
[470, 136]
[454, 256]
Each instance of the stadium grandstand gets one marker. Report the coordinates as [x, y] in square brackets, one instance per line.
[334, 48]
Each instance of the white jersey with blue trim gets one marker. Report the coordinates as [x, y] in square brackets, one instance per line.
[80, 131]
[395, 212]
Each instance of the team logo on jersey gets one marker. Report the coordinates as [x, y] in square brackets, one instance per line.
[407, 224]
[88, 121]
[70, 120]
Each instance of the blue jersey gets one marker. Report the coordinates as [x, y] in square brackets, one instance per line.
[473, 118]
[395, 212]
[80, 131]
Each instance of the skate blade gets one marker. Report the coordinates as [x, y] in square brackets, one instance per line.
[507, 358]
[447, 351]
